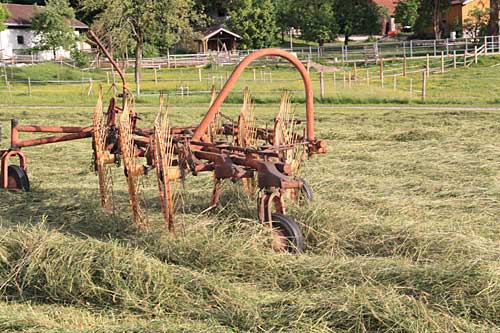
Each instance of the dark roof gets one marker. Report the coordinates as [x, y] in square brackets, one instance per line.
[212, 31]
[390, 4]
[22, 15]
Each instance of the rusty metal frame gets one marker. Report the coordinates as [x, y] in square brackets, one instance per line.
[194, 150]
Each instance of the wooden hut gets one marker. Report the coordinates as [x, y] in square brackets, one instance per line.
[218, 39]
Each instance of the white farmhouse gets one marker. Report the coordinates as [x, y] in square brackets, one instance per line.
[18, 37]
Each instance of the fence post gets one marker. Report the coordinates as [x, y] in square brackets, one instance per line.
[455, 59]
[382, 72]
[447, 47]
[107, 77]
[349, 79]
[355, 76]
[485, 45]
[428, 65]
[424, 85]
[404, 66]
[411, 88]
[411, 49]
[156, 76]
[442, 62]
[29, 86]
[395, 83]
[498, 44]
[89, 92]
[404, 49]
[435, 48]
[475, 54]
[334, 79]
[321, 84]
[199, 74]
[254, 76]
[466, 45]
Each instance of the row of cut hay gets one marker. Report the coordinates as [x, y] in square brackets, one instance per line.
[50, 267]
[243, 288]
[460, 285]
[30, 317]
[330, 232]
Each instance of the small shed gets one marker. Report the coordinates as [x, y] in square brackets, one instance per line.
[218, 39]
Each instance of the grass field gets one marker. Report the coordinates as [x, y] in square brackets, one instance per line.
[403, 236]
[477, 85]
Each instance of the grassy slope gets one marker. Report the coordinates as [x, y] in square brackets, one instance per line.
[477, 85]
[402, 237]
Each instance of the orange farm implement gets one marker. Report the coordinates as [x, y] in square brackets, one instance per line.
[265, 160]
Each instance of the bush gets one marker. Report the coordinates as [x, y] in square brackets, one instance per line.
[80, 58]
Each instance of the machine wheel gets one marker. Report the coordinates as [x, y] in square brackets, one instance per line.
[17, 179]
[306, 191]
[287, 235]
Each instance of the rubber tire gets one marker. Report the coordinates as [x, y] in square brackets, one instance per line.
[20, 176]
[290, 230]
[306, 190]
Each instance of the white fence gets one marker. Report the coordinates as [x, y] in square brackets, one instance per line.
[332, 54]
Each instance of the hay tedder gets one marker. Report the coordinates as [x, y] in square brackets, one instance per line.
[266, 160]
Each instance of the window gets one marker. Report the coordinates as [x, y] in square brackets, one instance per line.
[20, 40]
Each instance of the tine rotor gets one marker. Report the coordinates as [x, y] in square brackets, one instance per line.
[102, 158]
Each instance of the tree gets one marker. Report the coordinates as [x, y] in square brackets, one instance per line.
[148, 21]
[4, 15]
[407, 12]
[358, 17]
[477, 23]
[493, 24]
[255, 21]
[286, 16]
[431, 12]
[52, 26]
[318, 21]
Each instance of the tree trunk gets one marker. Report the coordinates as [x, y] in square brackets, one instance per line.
[346, 39]
[436, 18]
[493, 24]
[138, 63]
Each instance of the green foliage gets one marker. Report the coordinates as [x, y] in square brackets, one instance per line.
[159, 23]
[4, 14]
[52, 26]
[255, 21]
[358, 17]
[407, 12]
[318, 20]
[286, 15]
[150, 51]
[430, 13]
[80, 58]
[476, 24]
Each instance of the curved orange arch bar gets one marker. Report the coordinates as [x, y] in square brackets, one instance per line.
[209, 117]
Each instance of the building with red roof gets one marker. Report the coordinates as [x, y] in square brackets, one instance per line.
[18, 37]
